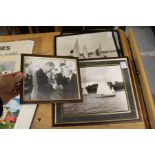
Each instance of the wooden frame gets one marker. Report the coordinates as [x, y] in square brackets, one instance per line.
[117, 43]
[89, 119]
[43, 58]
[143, 80]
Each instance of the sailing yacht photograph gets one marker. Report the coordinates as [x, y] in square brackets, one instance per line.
[87, 45]
[107, 91]
[102, 93]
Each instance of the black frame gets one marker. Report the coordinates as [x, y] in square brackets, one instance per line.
[50, 101]
[119, 50]
[101, 119]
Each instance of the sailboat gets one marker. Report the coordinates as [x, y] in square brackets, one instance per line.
[96, 53]
[75, 51]
[103, 91]
[99, 51]
[84, 53]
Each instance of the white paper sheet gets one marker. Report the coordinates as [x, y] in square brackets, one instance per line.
[25, 116]
[10, 61]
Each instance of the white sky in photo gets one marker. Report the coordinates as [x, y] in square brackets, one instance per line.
[99, 74]
[41, 61]
[92, 42]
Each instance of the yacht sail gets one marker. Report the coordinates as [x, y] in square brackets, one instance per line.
[103, 90]
[76, 49]
[85, 52]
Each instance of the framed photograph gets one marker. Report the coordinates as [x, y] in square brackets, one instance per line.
[47, 78]
[103, 44]
[108, 95]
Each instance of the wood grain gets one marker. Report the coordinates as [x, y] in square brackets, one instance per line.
[44, 44]
[141, 103]
[150, 105]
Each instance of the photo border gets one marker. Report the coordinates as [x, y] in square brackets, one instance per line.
[120, 53]
[50, 101]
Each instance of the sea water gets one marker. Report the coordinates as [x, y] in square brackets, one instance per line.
[92, 105]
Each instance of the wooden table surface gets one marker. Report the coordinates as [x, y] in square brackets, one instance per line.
[44, 44]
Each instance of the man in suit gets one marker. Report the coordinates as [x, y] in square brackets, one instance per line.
[60, 77]
[71, 85]
[45, 89]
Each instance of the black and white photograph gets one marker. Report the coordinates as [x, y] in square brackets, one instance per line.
[49, 78]
[107, 94]
[7, 67]
[87, 45]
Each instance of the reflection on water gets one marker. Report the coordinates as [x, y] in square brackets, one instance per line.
[91, 105]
